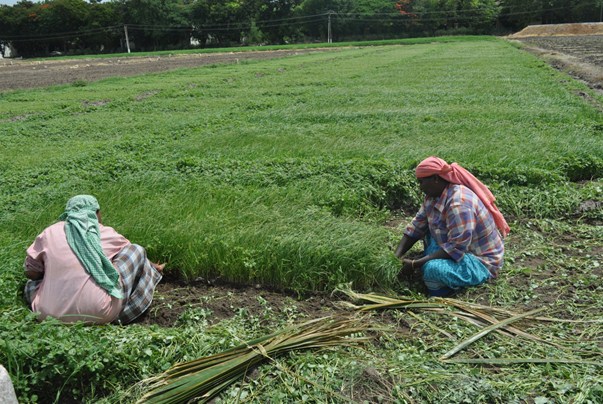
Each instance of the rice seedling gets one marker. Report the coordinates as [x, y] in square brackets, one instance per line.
[204, 378]
[283, 173]
[484, 316]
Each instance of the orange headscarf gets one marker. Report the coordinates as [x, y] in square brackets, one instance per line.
[456, 174]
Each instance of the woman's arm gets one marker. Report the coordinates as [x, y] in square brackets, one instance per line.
[34, 268]
[34, 276]
[405, 244]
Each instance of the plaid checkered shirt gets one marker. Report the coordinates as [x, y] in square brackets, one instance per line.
[460, 223]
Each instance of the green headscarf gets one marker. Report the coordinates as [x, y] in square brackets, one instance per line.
[83, 236]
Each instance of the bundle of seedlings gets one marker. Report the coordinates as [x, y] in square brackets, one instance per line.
[202, 379]
[488, 318]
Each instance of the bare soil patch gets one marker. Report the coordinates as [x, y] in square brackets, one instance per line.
[580, 57]
[585, 28]
[17, 73]
[219, 302]
[576, 49]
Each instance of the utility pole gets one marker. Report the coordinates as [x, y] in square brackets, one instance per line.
[329, 35]
[127, 40]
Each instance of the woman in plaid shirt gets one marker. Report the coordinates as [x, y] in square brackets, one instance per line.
[461, 227]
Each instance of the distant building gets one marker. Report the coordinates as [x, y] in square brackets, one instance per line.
[6, 51]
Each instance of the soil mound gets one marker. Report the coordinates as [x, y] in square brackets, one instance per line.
[585, 28]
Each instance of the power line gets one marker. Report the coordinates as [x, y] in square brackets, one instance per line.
[60, 35]
[296, 18]
[394, 17]
[222, 25]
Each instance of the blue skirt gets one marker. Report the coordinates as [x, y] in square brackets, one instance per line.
[446, 273]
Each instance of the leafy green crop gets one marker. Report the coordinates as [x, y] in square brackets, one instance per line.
[283, 172]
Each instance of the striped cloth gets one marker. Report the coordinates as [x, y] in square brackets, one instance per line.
[138, 278]
[30, 291]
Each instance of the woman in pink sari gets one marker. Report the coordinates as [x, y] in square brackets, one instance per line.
[80, 270]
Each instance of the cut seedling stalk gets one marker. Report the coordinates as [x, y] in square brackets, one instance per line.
[204, 378]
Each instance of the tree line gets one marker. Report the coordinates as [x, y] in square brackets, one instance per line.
[78, 27]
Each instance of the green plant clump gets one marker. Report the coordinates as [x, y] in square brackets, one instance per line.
[297, 173]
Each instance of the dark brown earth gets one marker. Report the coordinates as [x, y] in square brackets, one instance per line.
[218, 302]
[587, 49]
[581, 56]
[19, 73]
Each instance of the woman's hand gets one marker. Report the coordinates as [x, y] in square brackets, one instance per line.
[408, 265]
[408, 269]
[158, 267]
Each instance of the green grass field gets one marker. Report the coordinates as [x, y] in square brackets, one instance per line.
[284, 172]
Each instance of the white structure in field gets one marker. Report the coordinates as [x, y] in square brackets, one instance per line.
[7, 391]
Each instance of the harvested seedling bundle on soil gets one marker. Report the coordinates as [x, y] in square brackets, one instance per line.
[486, 317]
[204, 378]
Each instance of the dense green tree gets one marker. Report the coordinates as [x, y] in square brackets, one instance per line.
[63, 21]
[517, 14]
[78, 26]
[275, 19]
[219, 22]
[350, 19]
[156, 24]
[245, 21]
[378, 19]
[4, 18]
[588, 11]
[454, 16]
[20, 27]
[103, 27]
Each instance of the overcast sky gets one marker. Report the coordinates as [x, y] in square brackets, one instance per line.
[8, 2]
